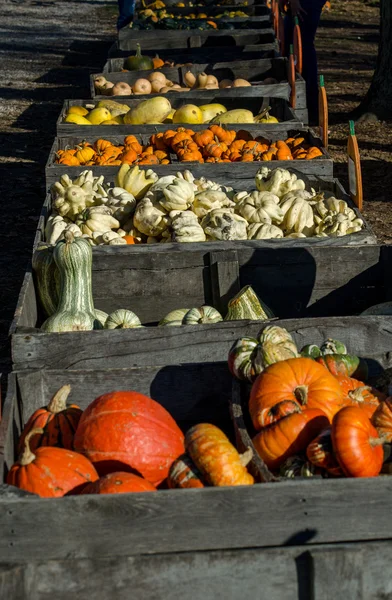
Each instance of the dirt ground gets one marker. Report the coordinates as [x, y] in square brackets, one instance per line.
[48, 49]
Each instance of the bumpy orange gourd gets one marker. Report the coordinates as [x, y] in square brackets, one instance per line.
[356, 393]
[127, 431]
[118, 483]
[356, 443]
[50, 472]
[289, 436]
[184, 474]
[57, 420]
[215, 457]
[320, 453]
[301, 380]
[382, 419]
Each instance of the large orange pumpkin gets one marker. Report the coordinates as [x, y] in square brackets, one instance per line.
[58, 421]
[127, 431]
[118, 483]
[50, 472]
[299, 379]
[289, 436]
[356, 443]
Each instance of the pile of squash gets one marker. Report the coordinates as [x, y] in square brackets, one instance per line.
[311, 411]
[213, 145]
[143, 208]
[66, 451]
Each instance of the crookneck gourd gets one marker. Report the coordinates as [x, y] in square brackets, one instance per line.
[246, 305]
[75, 311]
[47, 279]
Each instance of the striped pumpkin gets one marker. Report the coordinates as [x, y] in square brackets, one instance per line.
[57, 420]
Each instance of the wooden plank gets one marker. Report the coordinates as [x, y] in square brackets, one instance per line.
[338, 573]
[12, 584]
[225, 278]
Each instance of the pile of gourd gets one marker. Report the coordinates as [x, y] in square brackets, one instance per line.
[311, 411]
[143, 208]
[61, 448]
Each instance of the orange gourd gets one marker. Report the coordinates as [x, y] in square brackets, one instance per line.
[382, 419]
[129, 156]
[130, 141]
[356, 393]
[158, 62]
[184, 474]
[101, 146]
[223, 135]
[50, 472]
[57, 420]
[157, 140]
[215, 457]
[119, 483]
[301, 380]
[85, 154]
[356, 443]
[215, 149]
[203, 138]
[320, 453]
[289, 436]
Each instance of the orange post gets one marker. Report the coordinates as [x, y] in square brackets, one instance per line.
[291, 79]
[323, 112]
[281, 34]
[297, 41]
[354, 168]
[276, 20]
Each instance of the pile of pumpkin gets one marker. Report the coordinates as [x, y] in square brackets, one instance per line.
[213, 145]
[311, 411]
[66, 451]
[143, 208]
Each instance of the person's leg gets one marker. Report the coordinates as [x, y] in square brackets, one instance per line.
[126, 9]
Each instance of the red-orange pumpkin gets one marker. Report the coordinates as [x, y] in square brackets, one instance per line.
[127, 431]
[118, 483]
[382, 419]
[184, 474]
[58, 421]
[50, 472]
[301, 380]
[289, 436]
[320, 453]
[356, 393]
[356, 443]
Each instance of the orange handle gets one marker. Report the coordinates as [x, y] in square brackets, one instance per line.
[281, 34]
[297, 41]
[323, 112]
[291, 79]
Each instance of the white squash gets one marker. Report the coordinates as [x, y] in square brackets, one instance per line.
[263, 231]
[260, 207]
[278, 181]
[186, 227]
[298, 215]
[209, 199]
[96, 218]
[150, 218]
[178, 195]
[122, 319]
[204, 314]
[220, 224]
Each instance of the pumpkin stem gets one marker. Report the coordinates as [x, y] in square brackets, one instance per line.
[246, 457]
[357, 394]
[27, 456]
[138, 51]
[59, 401]
[301, 394]
[377, 441]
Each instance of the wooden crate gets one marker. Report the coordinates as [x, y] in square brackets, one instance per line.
[158, 39]
[318, 167]
[248, 49]
[282, 543]
[251, 8]
[254, 71]
[302, 281]
[280, 109]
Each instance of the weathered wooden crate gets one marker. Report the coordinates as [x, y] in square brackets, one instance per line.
[251, 8]
[254, 71]
[196, 53]
[295, 281]
[283, 542]
[321, 166]
[280, 109]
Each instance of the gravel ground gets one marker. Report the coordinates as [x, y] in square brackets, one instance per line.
[48, 49]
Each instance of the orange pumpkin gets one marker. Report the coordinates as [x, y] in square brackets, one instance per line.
[130, 239]
[57, 420]
[168, 136]
[129, 156]
[50, 472]
[158, 62]
[157, 140]
[301, 380]
[130, 141]
[85, 154]
[215, 149]
[289, 436]
[69, 160]
[181, 136]
[203, 138]
[382, 419]
[320, 453]
[223, 135]
[356, 393]
[356, 443]
[101, 145]
[118, 483]
[148, 159]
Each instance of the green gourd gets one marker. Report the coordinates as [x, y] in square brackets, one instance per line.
[173, 318]
[204, 314]
[47, 278]
[122, 319]
[75, 311]
[246, 305]
[138, 62]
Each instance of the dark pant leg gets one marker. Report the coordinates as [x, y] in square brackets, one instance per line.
[308, 26]
[126, 9]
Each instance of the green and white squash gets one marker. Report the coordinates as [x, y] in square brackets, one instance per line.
[241, 359]
[333, 347]
[47, 279]
[75, 311]
[173, 318]
[122, 319]
[204, 314]
[247, 305]
[101, 316]
[296, 466]
[311, 351]
[276, 344]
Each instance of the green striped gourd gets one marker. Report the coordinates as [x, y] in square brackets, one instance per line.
[75, 311]
[122, 319]
[276, 344]
[101, 316]
[47, 279]
[296, 466]
[173, 318]
[241, 359]
[204, 314]
[247, 305]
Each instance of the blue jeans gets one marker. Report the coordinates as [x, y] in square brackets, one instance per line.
[308, 25]
[126, 9]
